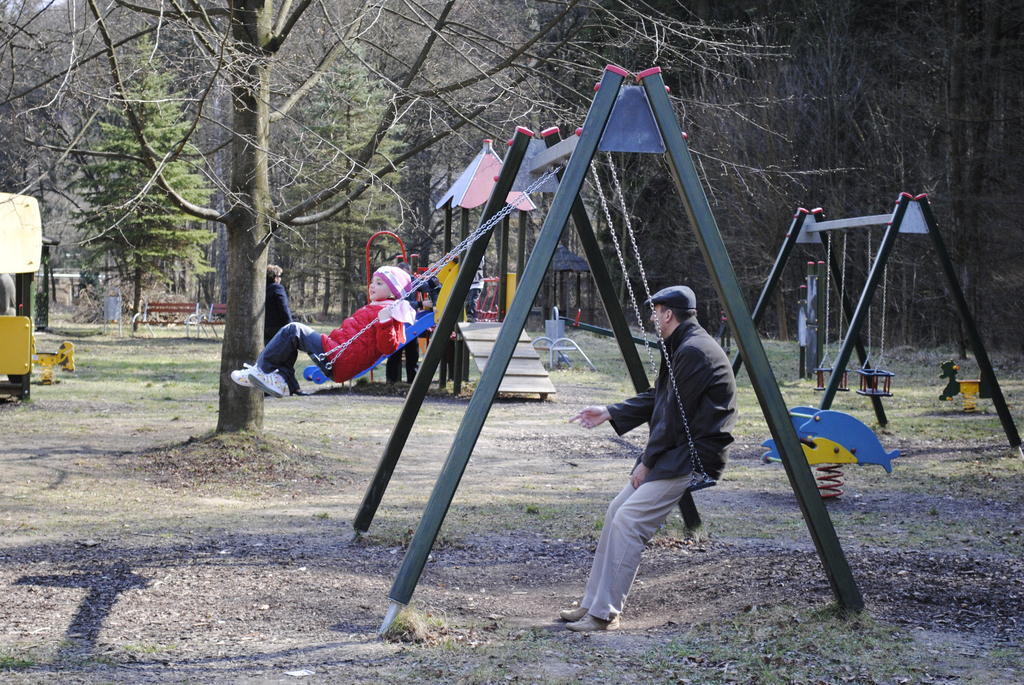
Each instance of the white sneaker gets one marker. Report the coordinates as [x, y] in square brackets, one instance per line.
[241, 376]
[272, 383]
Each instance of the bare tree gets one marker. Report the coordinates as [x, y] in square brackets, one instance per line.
[435, 59]
[447, 68]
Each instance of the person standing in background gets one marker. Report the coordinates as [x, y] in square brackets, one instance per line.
[474, 294]
[277, 315]
[7, 296]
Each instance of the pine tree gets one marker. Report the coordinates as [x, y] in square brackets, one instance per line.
[341, 117]
[126, 215]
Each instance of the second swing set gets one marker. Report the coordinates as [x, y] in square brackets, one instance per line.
[911, 215]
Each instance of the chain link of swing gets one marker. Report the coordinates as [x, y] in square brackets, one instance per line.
[868, 363]
[876, 363]
[828, 290]
[698, 476]
[328, 357]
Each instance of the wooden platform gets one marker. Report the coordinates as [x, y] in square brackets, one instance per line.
[525, 373]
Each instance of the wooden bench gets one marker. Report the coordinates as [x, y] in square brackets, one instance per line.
[168, 314]
[215, 315]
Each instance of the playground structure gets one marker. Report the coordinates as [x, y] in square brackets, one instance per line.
[969, 390]
[472, 189]
[369, 248]
[49, 362]
[623, 119]
[21, 240]
[831, 438]
[472, 342]
[557, 343]
[525, 374]
[912, 215]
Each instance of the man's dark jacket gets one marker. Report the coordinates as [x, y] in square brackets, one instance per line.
[707, 388]
[278, 315]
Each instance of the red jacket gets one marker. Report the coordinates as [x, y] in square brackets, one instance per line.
[380, 339]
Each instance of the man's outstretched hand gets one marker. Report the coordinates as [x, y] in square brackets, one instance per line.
[591, 416]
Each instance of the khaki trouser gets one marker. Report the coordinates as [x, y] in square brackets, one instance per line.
[633, 517]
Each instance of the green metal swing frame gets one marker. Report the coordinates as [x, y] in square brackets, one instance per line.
[565, 204]
[924, 222]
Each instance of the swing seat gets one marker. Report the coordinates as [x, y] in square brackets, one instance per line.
[869, 382]
[819, 375]
[700, 485]
[314, 374]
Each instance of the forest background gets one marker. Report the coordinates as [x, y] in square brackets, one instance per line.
[291, 132]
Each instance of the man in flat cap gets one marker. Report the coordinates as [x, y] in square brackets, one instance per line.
[707, 390]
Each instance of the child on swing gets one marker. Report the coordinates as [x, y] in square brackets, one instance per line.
[388, 287]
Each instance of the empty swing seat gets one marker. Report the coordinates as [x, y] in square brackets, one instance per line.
[875, 382]
[820, 375]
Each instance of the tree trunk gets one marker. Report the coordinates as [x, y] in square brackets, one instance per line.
[781, 315]
[327, 295]
[136, 295]
[248, 223]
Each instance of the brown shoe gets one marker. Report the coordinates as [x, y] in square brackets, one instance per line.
[590, 624]
[572, 615]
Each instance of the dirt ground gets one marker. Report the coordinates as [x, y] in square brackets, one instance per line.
[129, 553]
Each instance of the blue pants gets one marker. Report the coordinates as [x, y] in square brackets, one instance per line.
[280, 353]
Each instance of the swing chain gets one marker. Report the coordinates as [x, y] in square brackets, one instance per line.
[622, 264]
[328, 357]
[885, 288]
[867, 361]
[828, 290]
[698, 476]
[842, 287]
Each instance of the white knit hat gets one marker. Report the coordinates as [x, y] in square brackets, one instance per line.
[398, 282]
[397, 279]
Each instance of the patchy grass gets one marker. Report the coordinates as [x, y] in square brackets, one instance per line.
[244, 537]
[782, 645]
[9, 662]
[416, 626]
[238, 459]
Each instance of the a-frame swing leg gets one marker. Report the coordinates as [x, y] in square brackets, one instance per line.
[892, 231]
[487, 388]
[468, 265]
[980, 354]
[773, 278]
[823, 533]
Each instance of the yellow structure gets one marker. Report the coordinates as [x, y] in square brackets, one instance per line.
[446, 276]
[21, 252]
[510, 289]
[969, 391]
[15, 345]
[64, 358]
[827, 451]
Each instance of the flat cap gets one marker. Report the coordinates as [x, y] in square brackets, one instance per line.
[675, 296]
